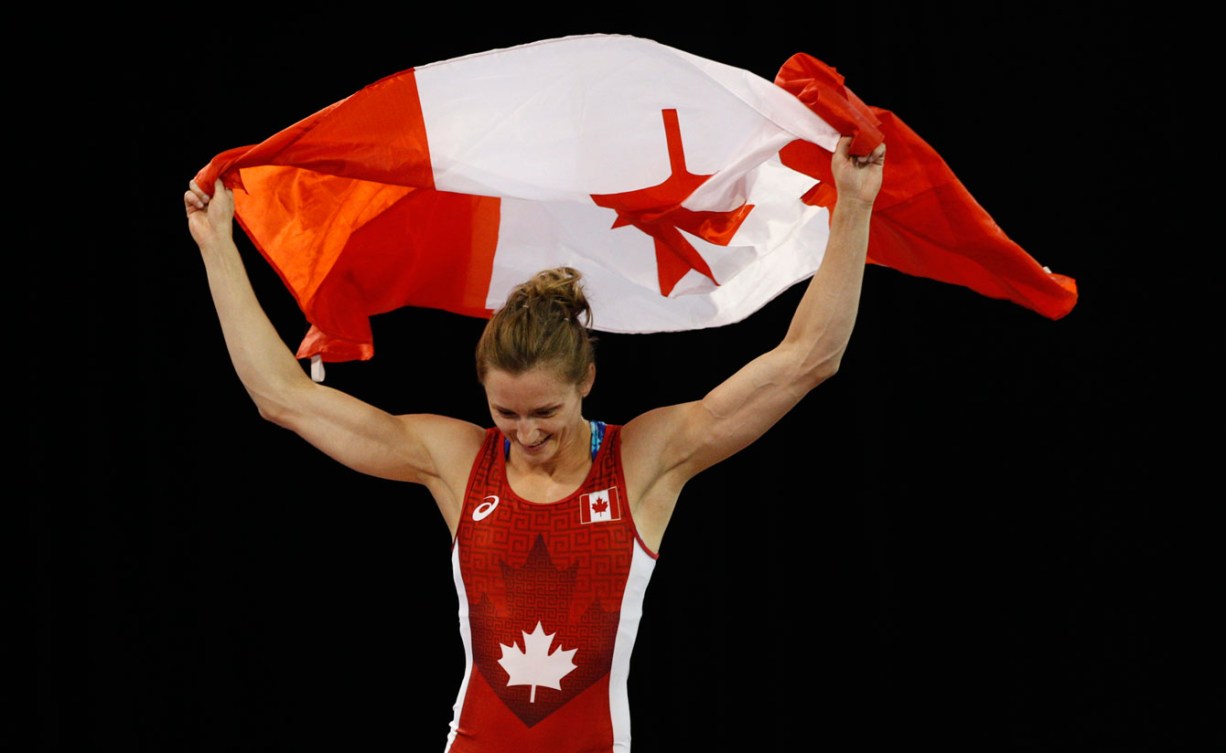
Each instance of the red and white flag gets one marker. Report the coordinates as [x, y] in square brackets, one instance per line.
[600, 507]
[688, 192]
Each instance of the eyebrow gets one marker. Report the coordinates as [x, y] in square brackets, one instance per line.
[542, 409]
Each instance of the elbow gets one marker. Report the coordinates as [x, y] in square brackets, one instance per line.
[814, 357]
[819, 368]
[279, 412]
[278, 401]
[272, 414]
[828, 368]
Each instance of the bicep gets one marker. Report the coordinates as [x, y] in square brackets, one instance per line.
[415, 448]
[682, 440]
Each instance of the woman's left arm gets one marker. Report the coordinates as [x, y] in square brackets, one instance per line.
[666, 447]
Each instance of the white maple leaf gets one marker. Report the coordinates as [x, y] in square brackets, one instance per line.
[535, 665]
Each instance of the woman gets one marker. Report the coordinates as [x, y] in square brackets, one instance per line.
[556, 520]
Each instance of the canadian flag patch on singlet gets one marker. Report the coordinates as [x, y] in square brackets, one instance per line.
[600, 507]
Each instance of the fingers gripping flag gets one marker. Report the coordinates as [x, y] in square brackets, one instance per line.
[689, 193]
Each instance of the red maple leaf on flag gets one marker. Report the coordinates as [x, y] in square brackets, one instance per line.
[382, 214]
[674, 254]
[600, 505]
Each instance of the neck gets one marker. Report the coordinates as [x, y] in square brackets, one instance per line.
[573, 456]
[556, 478]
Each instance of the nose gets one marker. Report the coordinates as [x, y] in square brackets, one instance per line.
[528, 431]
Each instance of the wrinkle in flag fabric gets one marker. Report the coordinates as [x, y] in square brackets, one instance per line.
[688, 192]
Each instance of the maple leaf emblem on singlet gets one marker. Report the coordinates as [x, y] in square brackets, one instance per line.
[534, 672]
[600, 505]
[535, 664]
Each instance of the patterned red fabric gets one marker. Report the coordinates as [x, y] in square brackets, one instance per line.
[544, 588]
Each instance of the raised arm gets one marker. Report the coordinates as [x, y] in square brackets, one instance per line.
[666, 447]
[349, 430]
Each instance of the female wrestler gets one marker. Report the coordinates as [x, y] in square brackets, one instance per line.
[556, 519]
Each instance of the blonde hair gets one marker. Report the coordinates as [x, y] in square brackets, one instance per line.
[544, 322]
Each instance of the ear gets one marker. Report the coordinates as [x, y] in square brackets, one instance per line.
[586, 385]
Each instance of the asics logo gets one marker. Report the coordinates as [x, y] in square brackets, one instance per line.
[485, 508]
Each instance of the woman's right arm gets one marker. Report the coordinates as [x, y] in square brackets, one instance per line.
[345, 428]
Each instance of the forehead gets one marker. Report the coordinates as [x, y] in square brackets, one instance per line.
[537, 388]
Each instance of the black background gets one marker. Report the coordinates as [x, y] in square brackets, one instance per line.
[990, 531]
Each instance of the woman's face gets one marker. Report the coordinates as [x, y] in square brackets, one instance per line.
[539, 411]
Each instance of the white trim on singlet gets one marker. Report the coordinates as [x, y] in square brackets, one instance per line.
[466, 634]
[642, 564]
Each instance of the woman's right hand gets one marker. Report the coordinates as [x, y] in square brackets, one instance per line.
[209, 218]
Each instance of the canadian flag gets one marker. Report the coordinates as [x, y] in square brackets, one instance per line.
[688, 192]
[600, 507]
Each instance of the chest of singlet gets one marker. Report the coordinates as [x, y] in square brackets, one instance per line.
[550, 598]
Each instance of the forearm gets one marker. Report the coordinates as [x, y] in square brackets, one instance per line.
[822, 325]
[682, 440]
[748, 403]
[264, 363]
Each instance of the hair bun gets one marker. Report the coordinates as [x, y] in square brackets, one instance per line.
[554, 292]
[544, 321]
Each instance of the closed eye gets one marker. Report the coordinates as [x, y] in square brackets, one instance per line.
[539, 413]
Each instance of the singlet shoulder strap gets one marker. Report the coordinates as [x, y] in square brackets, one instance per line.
[597, 436]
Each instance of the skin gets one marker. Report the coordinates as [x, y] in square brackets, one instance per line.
[542, 414]
[539, 411]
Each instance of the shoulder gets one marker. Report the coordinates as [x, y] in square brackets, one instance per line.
[648, 436]
[649, 441]
[433, 426]
[447, 450]
[450, 443]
